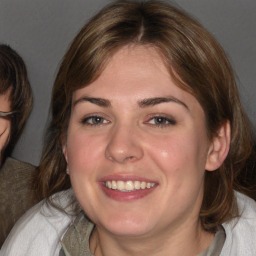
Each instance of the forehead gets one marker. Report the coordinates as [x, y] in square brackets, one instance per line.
[129, 66]
[134, 72]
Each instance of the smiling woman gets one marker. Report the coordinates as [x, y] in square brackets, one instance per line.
[16, 193]
[138, 140]
[15, 95]
[147, 138]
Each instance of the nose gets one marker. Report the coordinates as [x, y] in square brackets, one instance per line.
[124, 145]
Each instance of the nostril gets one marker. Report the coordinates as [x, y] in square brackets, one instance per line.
[130, 157]
[109, 157]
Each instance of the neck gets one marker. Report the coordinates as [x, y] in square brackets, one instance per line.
[189, 240]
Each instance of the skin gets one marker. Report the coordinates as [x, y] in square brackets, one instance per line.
[5, 123]
[127, 140]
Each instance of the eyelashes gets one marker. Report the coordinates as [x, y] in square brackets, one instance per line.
[155, 120]
[94, 120]
[161, 121]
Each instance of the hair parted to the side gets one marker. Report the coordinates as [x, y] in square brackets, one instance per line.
[196, 62]
[13, 75]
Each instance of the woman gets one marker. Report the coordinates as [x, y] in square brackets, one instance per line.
[16, 192]
[16, 98]
[148, 130]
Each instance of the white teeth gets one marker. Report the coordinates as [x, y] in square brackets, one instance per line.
[137, 184]
[109, 184]
[113, 184]
[120, 185]
[143, 185]
[126, 186]
[129, 185]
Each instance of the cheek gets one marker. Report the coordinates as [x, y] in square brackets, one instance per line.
[178, 154]
[83, 152]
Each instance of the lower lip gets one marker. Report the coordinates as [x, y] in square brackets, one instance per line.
[127, 196]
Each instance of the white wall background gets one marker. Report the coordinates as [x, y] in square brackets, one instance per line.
[41, 30]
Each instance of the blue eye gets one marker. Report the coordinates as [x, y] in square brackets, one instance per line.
[161, 121]
[94, 120]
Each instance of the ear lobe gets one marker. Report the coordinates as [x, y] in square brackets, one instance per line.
[219, 147]
[64, 150]
[64, 147]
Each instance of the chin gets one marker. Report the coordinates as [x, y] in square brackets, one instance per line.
[127, 225]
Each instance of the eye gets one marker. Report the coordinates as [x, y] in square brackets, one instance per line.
[94, 120]
[161, 121]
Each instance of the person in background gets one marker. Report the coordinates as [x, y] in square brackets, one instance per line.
[146, 144]
[16, 192]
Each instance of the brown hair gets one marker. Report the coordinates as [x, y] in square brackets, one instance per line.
[197, 63]
[13, 75]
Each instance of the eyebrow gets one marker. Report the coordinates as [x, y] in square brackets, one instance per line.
[142, 103]
[158, 100]
[98, 101]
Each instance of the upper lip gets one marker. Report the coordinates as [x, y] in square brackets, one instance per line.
[126, 177]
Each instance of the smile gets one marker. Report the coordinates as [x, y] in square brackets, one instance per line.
[127, 186]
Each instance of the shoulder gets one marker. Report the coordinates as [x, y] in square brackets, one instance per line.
[16, 175]
[241, 231]
[40, 230]
[13, 168]
[11, 162]
[16, 193]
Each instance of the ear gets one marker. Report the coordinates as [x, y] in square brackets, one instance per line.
[64, 147]
[219, 147]
[64, 150]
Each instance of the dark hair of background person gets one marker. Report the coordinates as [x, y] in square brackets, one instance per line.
[13, 75]
[197, 63]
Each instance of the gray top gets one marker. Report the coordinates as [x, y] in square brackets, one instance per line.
[76, 240]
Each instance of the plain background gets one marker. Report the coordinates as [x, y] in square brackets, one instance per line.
[41, 30]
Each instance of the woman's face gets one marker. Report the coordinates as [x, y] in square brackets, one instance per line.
[137, 148]
[5, 123]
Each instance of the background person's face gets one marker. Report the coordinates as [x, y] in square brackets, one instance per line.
[5, 123]
[137, 148]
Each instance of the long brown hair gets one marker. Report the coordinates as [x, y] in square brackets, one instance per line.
[197, 63]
